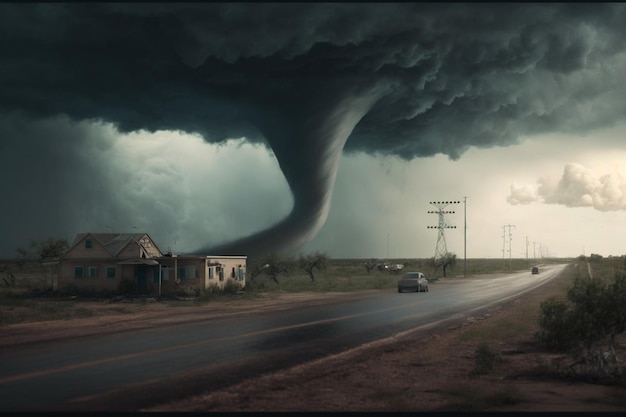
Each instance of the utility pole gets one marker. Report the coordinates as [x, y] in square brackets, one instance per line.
[464, 236]
[527, 251]
[504, 240]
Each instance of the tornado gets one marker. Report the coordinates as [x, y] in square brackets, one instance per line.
[308, 145]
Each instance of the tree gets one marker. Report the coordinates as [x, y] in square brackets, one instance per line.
[447, 260]
[46, 250]
[313, 261]
[8, 279]
[271, 265]
[371, 264]
[594, 257]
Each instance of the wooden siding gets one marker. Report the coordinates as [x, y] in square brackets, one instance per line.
[96, 251]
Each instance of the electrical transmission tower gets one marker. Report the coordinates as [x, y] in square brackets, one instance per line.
[504, 234]
[441, 249]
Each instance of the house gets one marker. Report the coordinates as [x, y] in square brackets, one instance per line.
[107, 261]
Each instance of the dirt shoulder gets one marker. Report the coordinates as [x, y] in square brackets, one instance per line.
[426, 371]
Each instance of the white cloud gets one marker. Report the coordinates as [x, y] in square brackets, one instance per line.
[522, 194]
[578, 186]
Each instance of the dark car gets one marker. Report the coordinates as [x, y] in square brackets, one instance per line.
[413, 281]
[535, 270]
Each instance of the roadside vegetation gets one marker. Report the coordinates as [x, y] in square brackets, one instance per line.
[588, 320]
[27, 294]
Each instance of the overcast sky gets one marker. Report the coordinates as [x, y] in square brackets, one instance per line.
[298, 128]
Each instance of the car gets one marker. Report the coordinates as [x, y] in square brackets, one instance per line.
[535, 270]
[413, 281]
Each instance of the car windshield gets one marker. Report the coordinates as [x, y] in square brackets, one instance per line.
[410, 276]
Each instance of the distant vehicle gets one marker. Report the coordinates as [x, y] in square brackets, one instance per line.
[384, 266]
[535, 270]
[413, 281]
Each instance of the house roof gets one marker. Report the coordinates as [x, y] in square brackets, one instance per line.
[113, 242]
[139, 261]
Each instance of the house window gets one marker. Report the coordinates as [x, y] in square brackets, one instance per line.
[88, 243]
[92, 272]
[78, 272]
[232, 273]
[240, 273]
[188, 272]
[220, 272]
[110, 272]
[211, 272]
[165, 273]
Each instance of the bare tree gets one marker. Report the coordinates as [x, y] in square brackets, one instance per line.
[8, 279]
[371, 264]
[46, 250]
[271, 265]
[313, 261]
[447, 260]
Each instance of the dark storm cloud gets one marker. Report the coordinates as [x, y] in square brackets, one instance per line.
[311, 80]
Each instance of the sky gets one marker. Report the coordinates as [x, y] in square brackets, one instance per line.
[332, 131]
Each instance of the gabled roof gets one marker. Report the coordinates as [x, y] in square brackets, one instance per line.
[113, 242]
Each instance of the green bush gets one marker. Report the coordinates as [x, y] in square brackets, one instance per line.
[215, 292]
[554, 331]
[485, 359]
[587, 324]
[231, 287]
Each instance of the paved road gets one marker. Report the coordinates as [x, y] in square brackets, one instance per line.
[129, 371]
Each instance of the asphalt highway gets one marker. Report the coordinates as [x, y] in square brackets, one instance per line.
[134, 370]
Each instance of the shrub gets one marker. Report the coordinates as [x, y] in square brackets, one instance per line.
[69, 289]
[587, 324]
[554, 331]
[231, 287]
[485, 359]
[127, 286]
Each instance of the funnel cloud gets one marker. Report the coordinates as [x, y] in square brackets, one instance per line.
[312, 81]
